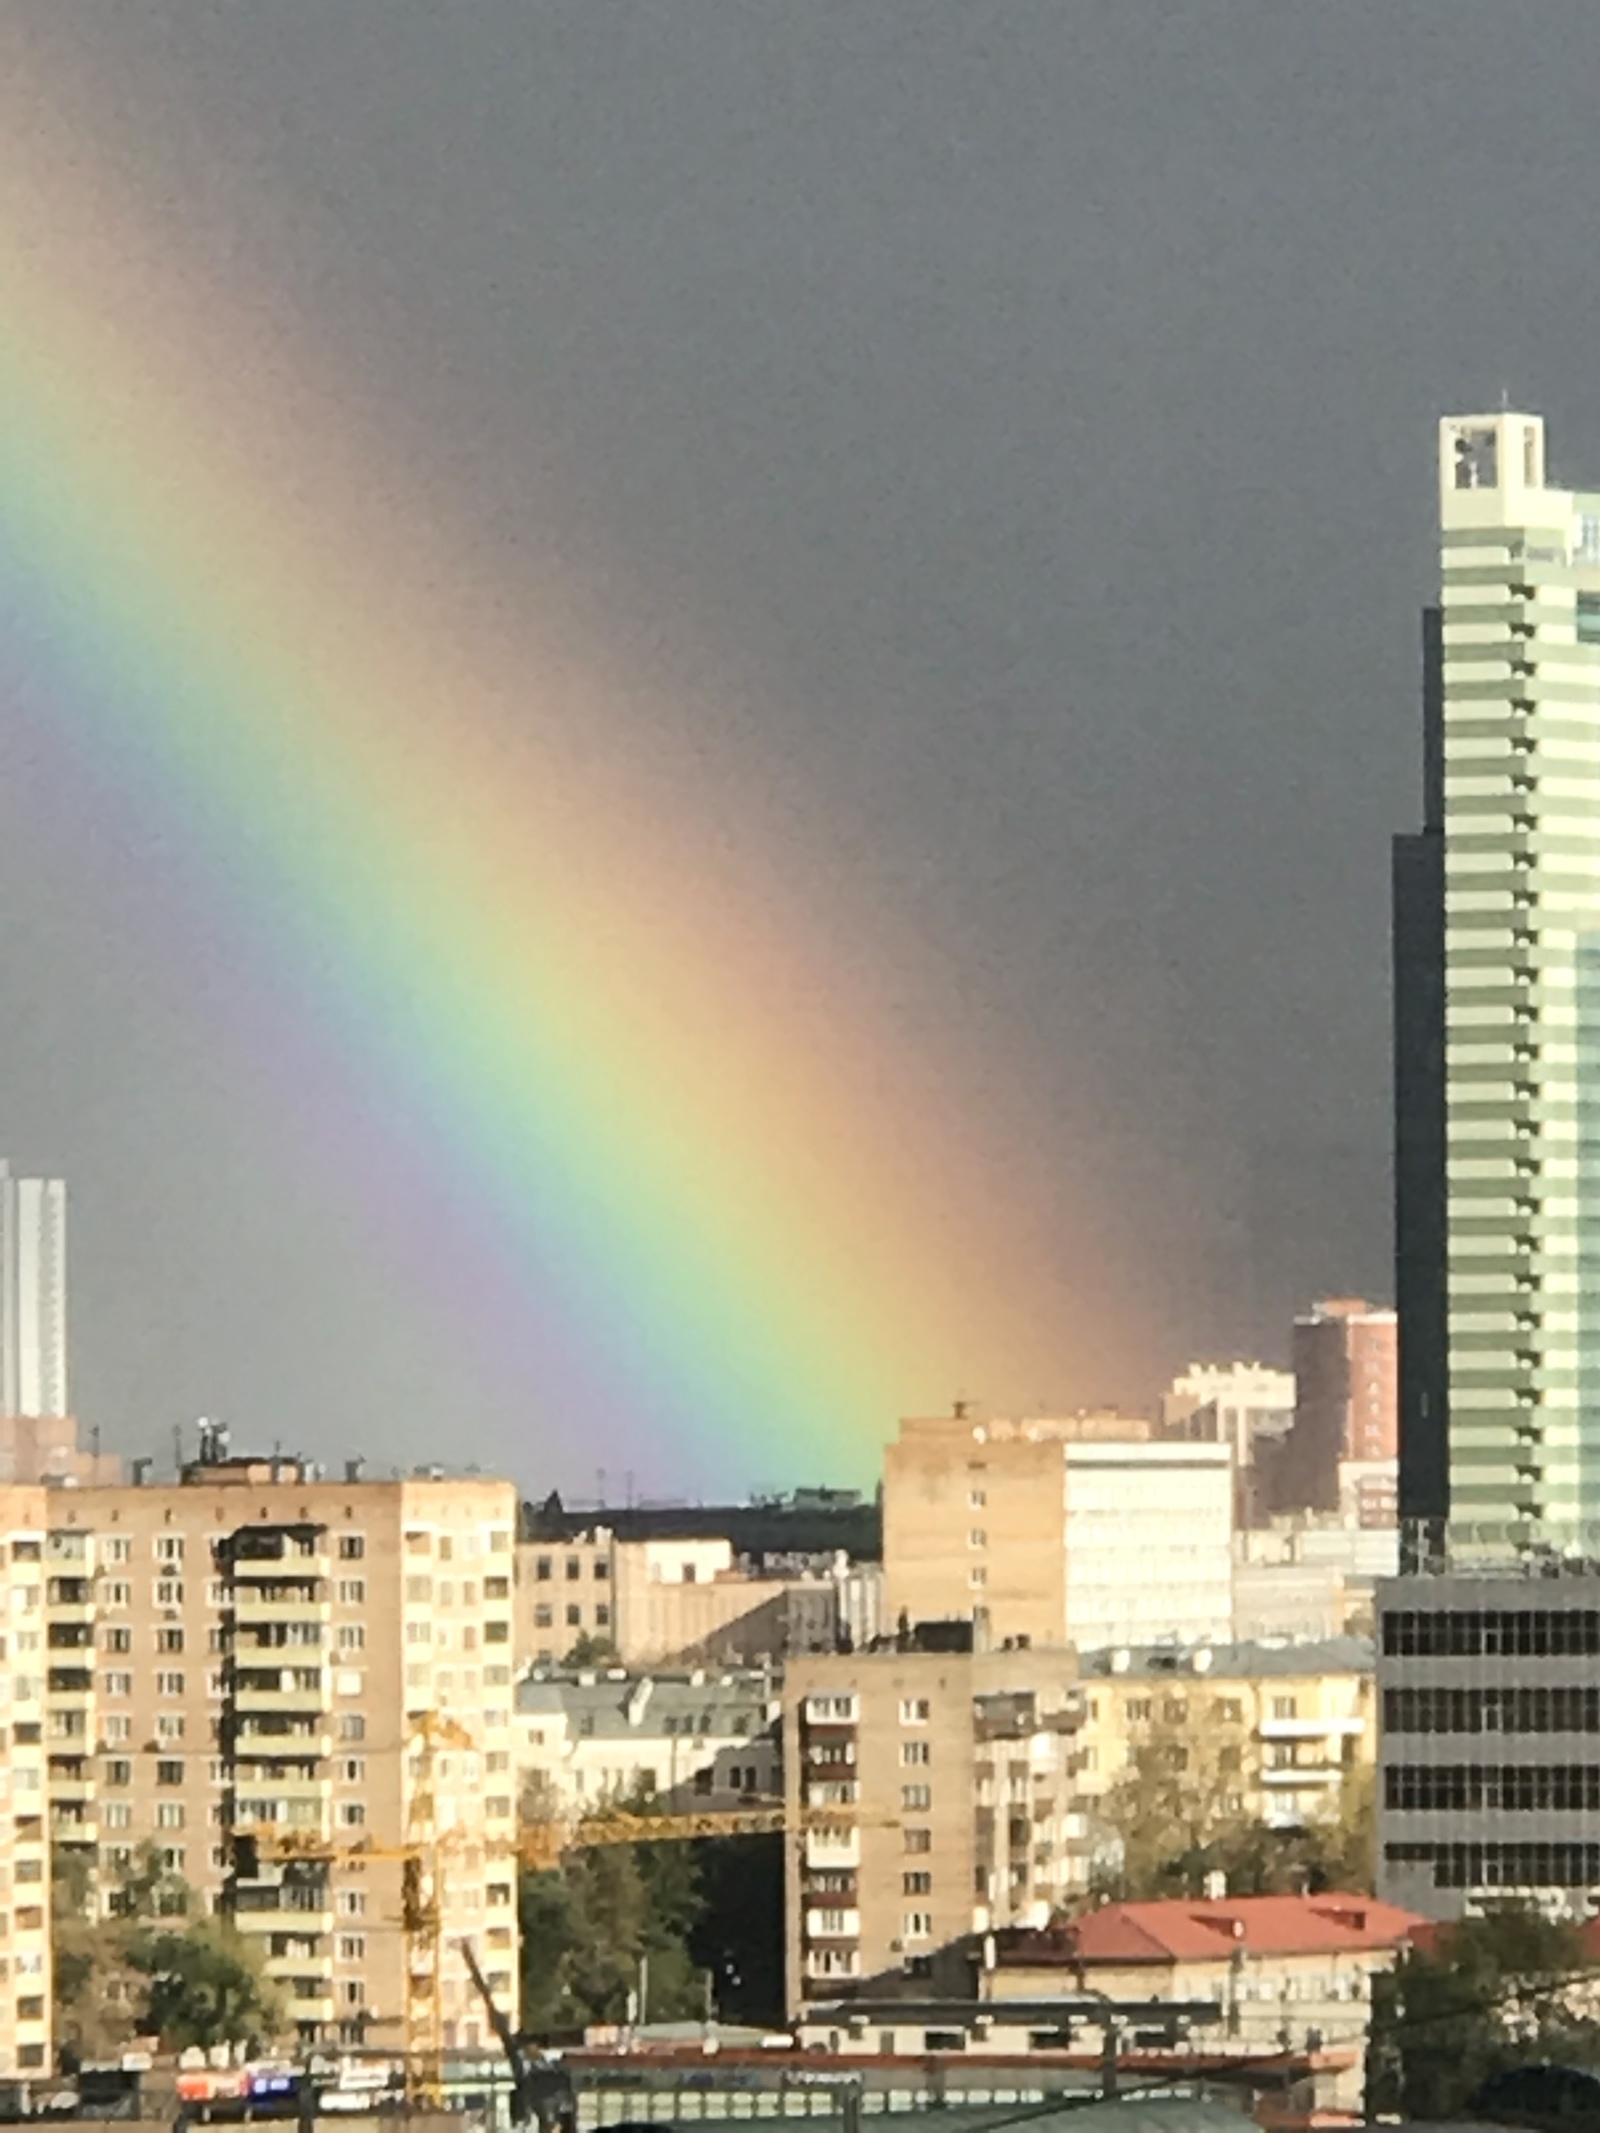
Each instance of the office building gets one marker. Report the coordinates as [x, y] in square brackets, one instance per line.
[1489, 1766]
[1051, 1530]
[1339, 1453]
[690, 1740]
[313, 1664]
[33, 1295]
[25, 1979]
[938, 1790]
[1495, 909]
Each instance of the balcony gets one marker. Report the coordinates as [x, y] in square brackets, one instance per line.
[833, 1847]
[1300, 1774]
[833, 1924]
[1312, 1728]
[833, 1792]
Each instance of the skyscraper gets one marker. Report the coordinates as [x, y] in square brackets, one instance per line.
[33, 1295]
[1497, 939]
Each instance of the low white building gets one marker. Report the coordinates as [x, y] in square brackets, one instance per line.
[690, 1739]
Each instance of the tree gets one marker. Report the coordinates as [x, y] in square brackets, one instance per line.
[152, 1965]
[611, 1924]
[205, 1987]
[1503, 1990]
[1176, 1816]
[591, 1649]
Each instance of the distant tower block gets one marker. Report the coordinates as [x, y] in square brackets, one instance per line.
[33, 1295]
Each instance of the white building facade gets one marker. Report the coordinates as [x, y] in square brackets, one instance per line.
[1149, 1542]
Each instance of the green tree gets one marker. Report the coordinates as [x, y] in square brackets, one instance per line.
[1496, 1991]
[205, 1986]
[591, 1649]
[612, 1920]
[152, 1965]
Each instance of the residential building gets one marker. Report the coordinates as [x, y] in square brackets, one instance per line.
[307, 1663]
[690, 1740]
[1496, 905]
[1287, 1973]
[1489, 1767]
[44, 1448]
[25, 1977]
[1077, 1529]
[1339, 1453]
[1239, 1404]
[1280, 1725]
[33, 1295]
[934, 1794]
[1310, 1577]
[661, 1601]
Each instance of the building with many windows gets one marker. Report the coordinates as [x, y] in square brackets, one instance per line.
[934, 1797]
[1497, 1040]
[33, 1295]
[256, 1661]
[1489, 1769]
[26, 1739]
[1073, 1529]
[689, 1739]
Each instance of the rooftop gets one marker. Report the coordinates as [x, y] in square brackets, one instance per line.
[617, 1705]
[1177, 1930]
[1234, 1662]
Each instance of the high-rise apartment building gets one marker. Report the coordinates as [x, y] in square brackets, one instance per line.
[1077, 1529]
[25, 1980]
[33, 1295]
[937, 1790]
[1498, 1008]
[325, 1668]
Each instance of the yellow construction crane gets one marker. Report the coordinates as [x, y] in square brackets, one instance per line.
[424, 1851]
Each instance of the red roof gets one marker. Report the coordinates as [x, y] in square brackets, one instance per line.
[1177, 1930]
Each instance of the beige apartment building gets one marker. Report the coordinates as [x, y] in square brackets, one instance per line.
[1277, 1727]
[325, 1668]
[1073, 1529]
[933, 1796]
[25, 1720]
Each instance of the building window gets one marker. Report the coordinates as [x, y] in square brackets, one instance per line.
[916, 1751]
[917, 1925]
[918, 1840]
[1230, 1711]
[352, 1592]
[352, 1637]
[169, 1592]
[1139, 1711]
[169, 1548]
[543, 1568]
[169, 1773]
[977, 1575]
[352, 1903]
[352, 1726]
[118, 1729]
[169, 1640]
[914, 1710]
[352, 1947]
[916, 1796]
[169, 1725]
[977, 1537]
[169, 1814]
[114, 1551]
[353, 1769]
[1285, 1706]
[169, 1684]
[977, 1499]
[352, 1814]
[352, 1547]
[574, 1617]
[917, 1883]
[116, 1640]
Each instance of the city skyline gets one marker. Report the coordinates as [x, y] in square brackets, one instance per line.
[777, 514]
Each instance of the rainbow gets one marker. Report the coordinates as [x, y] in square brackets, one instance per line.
[691, 1188]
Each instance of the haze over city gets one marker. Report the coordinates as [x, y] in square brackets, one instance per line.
[915, 520]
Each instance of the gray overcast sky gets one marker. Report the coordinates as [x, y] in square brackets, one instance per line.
[1030, 402]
